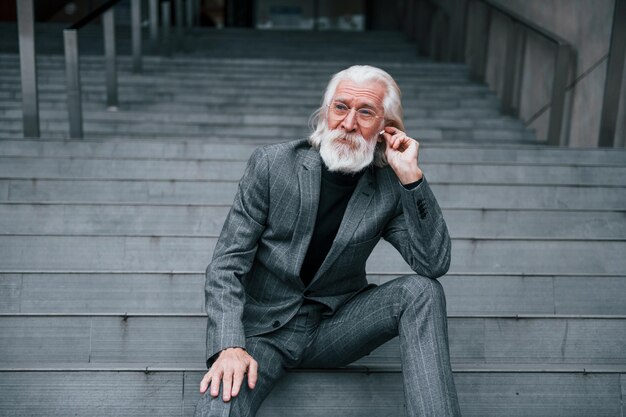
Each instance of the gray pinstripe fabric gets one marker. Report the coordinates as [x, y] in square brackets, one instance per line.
[253, 286]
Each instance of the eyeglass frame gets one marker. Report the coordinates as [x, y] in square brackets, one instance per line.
[332, 109]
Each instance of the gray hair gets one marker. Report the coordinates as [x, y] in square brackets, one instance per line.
[392, 104]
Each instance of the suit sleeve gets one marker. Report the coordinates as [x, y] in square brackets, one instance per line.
[233, 257]
[419, 232]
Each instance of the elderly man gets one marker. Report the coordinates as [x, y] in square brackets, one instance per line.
[287, 285]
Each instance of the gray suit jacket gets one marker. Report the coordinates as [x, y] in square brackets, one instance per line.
[253, 284]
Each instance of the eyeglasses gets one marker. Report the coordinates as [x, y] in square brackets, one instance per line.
[365, 116]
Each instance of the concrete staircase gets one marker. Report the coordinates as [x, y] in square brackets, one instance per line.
[104, 241]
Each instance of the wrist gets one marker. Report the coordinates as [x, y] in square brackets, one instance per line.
[232, 349]
[410, 176]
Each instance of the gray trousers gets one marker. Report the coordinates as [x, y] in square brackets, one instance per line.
[411, 307]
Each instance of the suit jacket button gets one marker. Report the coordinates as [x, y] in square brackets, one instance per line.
[276, 324]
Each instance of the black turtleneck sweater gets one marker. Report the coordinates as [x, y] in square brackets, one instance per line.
[335, 191]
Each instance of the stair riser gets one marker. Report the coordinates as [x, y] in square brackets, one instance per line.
[93, 81]
[195, 116]
[145, 293]
[320, 394]
[101, 120]
[96, 109]
[11, 167]
[259, 135]
[227, 150]
[172, 340]
[63, 253]
[147, 97]
[157, 220]
[216, 192]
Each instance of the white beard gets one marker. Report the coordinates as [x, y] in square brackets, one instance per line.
[348, 157]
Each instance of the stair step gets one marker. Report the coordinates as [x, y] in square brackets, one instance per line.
[159, 253]
[220, 73]
[257, 133]
[480, 339]
[147, 97]
[277, 119]
[254, 72]
[197, 150]
[450, 195]
[371, 368]
[13, 108]
[206, 220]
[208, 122]
[283, 67]
[183, 293]
[471, 173]
[147, 92]
[132, 393]
[218, 84]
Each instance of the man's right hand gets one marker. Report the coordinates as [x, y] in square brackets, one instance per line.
[229, 368]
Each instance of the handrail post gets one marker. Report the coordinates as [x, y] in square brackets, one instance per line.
[408, 22]
[196, 12]
[189, 12]
[559, 87]
[70, 43]
[422, 25]
[613, 80]
[154, 25]
[136, 34]
[167, 22]
[514, 61]
[480, 43]
[28, 68]
[108, 24]
[179, 21]
[456, 40]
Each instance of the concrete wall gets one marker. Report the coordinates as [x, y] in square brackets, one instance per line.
[586, 24]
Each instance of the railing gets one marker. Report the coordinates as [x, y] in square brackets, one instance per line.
[613, 83]
[72, 71]
[28, 68]
[514, 62]
[107, 12]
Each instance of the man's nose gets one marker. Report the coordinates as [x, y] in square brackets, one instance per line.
[349, 122]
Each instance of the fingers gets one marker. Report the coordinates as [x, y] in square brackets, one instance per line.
[215, 383]
[252, 373]
[227, 384]
[396, 139]
[204, 384]
[237, 380]
[230, 375]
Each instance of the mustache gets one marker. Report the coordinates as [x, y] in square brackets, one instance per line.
[355, 140]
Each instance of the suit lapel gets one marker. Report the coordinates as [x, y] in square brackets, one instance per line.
[309, 180]
[357, 207]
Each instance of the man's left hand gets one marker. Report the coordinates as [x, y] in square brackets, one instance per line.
[402, 153]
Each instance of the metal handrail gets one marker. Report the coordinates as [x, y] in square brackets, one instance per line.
[70, 36]
[28, 68]
[551, 36]
[93, 15]
[70, 43]
[516, 44]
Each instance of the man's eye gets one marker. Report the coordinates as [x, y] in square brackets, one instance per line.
[367, 113]
[341, 107]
